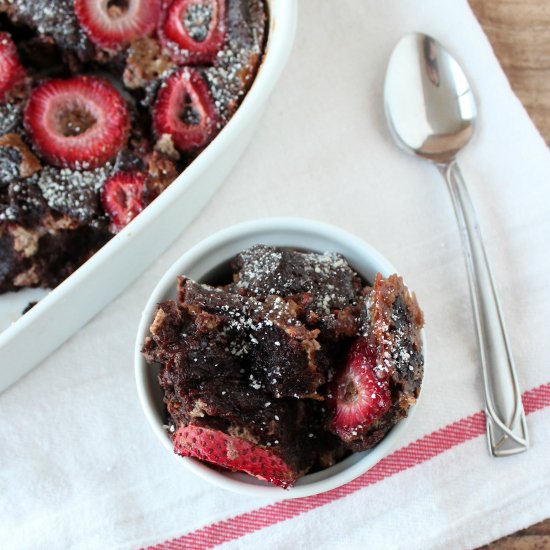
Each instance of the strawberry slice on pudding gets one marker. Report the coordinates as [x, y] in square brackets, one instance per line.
[82, 122]
[112, 24]
[359, 394]
[11, 70]
[185, 110]
[233, 453]
[122, 198]
[194, 30]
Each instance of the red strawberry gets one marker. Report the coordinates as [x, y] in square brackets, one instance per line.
[184, 109]
[193, 30]
[11, 70]
[81, 122]
[359, 394]
[113, 24]
[122, 198]
[234, 454]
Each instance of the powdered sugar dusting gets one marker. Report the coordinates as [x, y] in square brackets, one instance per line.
[10, 117]
[73, 192]
[197, 21]
[236, 62]
[327, 279]
[10, 159]
[56, 19]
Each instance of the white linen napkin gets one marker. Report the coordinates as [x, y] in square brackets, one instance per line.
[81, 468]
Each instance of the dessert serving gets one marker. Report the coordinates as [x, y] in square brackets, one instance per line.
[287, 365]
[102, 105]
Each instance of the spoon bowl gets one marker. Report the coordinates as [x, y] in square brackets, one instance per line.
[429, 104]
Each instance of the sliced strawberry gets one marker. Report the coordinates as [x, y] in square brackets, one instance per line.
[359, 394]
[234, 454]
[81, 122]
[184, 109]
[193, 30]
[112, 24]
[122, 198]
[11, 70]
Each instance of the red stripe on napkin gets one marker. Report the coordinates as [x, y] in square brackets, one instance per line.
[419, 451]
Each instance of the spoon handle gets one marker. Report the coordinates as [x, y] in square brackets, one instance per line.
[505, 417]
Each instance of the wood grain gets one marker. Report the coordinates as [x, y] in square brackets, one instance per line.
[519, 31]
[536, 537]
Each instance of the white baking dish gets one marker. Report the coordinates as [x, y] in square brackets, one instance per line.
[77, 299]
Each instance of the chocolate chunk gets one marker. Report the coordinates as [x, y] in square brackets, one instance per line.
[10, 159]
[16, 160]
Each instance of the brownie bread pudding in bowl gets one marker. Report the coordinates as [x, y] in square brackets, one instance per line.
[102, 105]
[280, 353]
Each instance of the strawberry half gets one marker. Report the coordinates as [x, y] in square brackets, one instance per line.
[79, 123]
[11, 70]
[122, 198]
[111, 24]
[233, 453]
[359, 394]
[184, 109]
[193, 30]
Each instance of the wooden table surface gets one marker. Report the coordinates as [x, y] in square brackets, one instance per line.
[519, 31]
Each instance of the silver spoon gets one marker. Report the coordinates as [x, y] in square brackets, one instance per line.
[431, 113]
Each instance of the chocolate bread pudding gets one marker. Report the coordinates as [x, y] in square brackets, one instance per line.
[102, 105]
[288, 366]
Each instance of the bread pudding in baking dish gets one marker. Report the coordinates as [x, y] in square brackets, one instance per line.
[102, 105]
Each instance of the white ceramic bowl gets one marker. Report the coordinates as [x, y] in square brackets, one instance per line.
[201, 260]
[76, 300]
